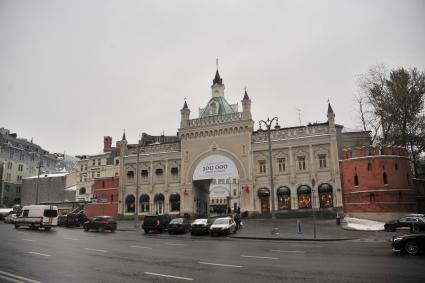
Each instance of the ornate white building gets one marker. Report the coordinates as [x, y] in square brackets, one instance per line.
[218, 161]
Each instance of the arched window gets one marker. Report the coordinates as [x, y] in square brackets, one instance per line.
[129, 203]
[283, 198]
[82, 191]
[304, 196]
[159, 203]
[385, 178]
[356, 180]
[144, 203]
[174, 202]
[325, 195]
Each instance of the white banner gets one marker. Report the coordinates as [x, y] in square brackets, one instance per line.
[219, 192]
[215, 167]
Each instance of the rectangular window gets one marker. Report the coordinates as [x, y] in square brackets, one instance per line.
[262, 166]
[92, 175]
[81, 178]
[9, 165]
[322, 161]
[234, 192]
[50, 213]
[301, 163]
[130, 175]
[6, 189]
[98, 174]
[8, 176]
[175, 173]
[98, 162]
[26, 212]
[282, 164]
[159, 175]
[93, 162]
[20, 167]
[85, 167]
[18, 189]
[117, 162]
[82, 168]
[145, 176]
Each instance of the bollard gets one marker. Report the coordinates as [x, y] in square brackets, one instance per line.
[338, 219]
[299, 227]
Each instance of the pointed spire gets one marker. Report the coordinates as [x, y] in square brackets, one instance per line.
[217, 79]
[185, 104]
[330, 110]
[123, 136]
[245, 96]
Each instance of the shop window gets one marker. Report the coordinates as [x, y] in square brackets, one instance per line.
[356, 180]
[129, 204]
[283, 198]
[145, 176]
[322, 161]
[304, 196]
[174, 202]
[281, 164]
[144, 203]
[325, 195]
[301, 163]
[262, 166]
[385, 178]
[159, 175]
[159, 203]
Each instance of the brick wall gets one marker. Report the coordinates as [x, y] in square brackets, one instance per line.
[107, 189]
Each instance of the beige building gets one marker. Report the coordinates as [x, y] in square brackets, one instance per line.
[219, 161]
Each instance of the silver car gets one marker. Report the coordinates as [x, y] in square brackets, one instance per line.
[10, 219]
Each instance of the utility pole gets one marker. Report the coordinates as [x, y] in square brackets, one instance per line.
[38, 180]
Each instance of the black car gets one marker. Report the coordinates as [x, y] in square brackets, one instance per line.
[155, 222]
[101, 223]
[76, 219]
[178, 225]
[411, 244]
[415, 224]
[201, 226]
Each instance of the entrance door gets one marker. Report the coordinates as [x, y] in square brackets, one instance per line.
[265, 204]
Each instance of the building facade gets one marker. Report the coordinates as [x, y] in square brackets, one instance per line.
[20, 159]
[105, 197]
[219, 161]
[377, 183]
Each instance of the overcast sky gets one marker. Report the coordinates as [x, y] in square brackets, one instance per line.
[72, 72]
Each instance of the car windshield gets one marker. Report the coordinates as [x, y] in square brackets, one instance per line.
[200, 221]
[177, 221]
[221, 221]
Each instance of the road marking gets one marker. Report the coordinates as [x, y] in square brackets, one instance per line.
[38, 254]
[140, 247]
[16, 278]
[28, 240]
[169, 276]
[73, 239]
[295, 252]
[102, 251]
[219, 264]
[307, 246]
[262, 257]
[173, 244]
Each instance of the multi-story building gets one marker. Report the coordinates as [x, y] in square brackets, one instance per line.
[219, 157]
[19, 159]
[94, 166]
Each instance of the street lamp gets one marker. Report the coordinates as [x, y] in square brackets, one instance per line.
[136, 214]
[39, 166]
[268, 123]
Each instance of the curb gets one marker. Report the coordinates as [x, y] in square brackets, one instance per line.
[292, 239]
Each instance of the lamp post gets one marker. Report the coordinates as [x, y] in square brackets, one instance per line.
[268, 123]
[136, 213]
[39, 166]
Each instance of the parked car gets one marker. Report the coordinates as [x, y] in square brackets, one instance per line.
[10, 219]
[223, 226]
[62, 220]
[155, 222]
[201, 226]
[5, 212]
[76, 219]
[178, 225]
[37, 216]
[100, 224]
[416, 224]
[411, 244]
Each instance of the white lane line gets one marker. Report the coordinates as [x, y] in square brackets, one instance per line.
[140, 247]
[173, 244]
[262, 257]
[9, 276]
[294, 252]
[38, 254]
[307, 246]
[169, 276]
[219, 264]
[28, 240]
[73, 239]
[95, 250]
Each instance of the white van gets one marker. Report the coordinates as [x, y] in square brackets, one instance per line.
[38, 216]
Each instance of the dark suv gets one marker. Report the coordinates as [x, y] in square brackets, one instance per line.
[76, 219]
[101, 223]
[155, 222]
[415, 224]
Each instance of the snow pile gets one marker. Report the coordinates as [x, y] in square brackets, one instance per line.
[363, 224]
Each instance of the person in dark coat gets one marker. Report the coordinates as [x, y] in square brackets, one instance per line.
[237, 218]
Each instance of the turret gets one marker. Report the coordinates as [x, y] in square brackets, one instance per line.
[246, 106]
[123, 146]
[331, 115]
[185, 114]
[217, 87]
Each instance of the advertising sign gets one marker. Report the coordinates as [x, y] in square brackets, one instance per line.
[215, 167]
[219, 192]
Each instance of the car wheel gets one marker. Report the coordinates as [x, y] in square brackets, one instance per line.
[101, 229]
[411, 247]
[86, 228]
[146, 231]
[47, 228]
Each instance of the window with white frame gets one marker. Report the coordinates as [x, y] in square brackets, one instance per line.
[281, 163]
[301, 163]
[262, 166]
[322, 161]
[159, 175]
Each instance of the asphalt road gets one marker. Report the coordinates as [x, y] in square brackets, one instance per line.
[72, 255]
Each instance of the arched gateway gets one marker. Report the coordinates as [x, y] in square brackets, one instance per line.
[215, 183]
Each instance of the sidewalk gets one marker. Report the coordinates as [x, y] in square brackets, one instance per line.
[286, 229]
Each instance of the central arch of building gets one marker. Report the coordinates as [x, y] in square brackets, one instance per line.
[210, 170]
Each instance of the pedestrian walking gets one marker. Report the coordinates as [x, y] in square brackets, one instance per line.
[237, 218]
